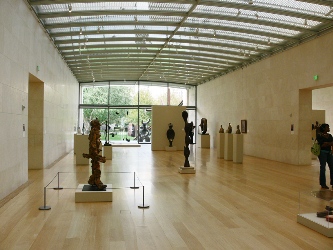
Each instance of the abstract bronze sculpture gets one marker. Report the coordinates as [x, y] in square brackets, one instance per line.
[170, 134]
[188, 128]
[96, 158]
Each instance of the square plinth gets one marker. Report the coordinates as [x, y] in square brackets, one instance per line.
[93, 196]
[319, 225]
[187, 170]
[107, 152]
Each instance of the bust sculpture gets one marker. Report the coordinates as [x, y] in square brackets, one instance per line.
[170, 134]
[229, 130]
[203, 125]
[221, 129]
[238, 131]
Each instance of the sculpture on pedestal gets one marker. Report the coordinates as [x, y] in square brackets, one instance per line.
[170, 134]
[221, 130]
[96, 158]
[144, 133]
[188, 128]
[238, 131]
[203, 125]
[229, 130]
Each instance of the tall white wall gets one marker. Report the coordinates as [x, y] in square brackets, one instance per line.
[24, 46]
[268, 95]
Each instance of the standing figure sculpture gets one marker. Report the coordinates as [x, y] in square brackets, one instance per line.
[188, 128]
[170, 134]
[203, 125]
[96, 158]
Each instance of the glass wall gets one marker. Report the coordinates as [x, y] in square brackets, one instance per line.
[124, 108]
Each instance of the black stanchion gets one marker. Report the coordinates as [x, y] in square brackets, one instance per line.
[44, 207]
[134, 187]
[143, 199]
[58, 188]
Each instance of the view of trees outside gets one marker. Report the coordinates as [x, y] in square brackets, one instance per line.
[125, 115]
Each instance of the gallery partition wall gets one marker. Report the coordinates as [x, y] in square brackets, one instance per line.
[124, 107]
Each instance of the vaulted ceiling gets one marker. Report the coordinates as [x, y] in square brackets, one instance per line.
[183, 41]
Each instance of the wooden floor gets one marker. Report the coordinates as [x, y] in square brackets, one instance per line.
[253, 205]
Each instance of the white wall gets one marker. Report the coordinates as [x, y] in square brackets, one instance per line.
[267, 94]
[161, 117]
[23, 46]
[322, 99]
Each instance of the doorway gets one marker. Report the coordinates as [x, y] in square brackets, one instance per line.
[35, 123]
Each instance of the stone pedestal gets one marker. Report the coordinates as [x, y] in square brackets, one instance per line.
[220, 145]
[204, 141]
[81, 145]
[93, 196]
[107, 152]
[228, 147]
[187, 170]
[238, 148]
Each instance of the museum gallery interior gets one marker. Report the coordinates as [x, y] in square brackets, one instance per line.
[164, 124]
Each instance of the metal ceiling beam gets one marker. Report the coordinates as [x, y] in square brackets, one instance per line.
[199, 15]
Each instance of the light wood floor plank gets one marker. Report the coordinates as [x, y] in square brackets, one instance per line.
[223, 206]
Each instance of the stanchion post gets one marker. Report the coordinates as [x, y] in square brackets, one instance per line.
[58, 188]
[44, 207]
[134, 187]
[143, 199]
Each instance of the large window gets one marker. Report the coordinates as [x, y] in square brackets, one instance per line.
[126, 107]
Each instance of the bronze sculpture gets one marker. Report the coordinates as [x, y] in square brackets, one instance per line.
[170, 134]
[188, 128]
[96, 158]
[229, 130]
[221, 130]
[238, 131]
[203, 125]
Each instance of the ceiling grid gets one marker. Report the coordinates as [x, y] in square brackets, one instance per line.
[184, 41]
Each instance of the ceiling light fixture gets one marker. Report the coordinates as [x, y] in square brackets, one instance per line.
[214, 32]
[80, 30]
[70, 8]
[269, 40]
[305, 22]
[98, 29]
[250, 2]
[238, 13]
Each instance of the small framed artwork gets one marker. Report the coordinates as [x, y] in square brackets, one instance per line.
[243, 126]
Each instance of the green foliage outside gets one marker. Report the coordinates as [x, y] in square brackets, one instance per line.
[124, 96]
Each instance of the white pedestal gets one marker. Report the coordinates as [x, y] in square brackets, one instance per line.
[319, 225]
[81, 144]
[220, 145]
[93, 196]
[187, 170]
[238, 148]
[107, 152]
[80, 160]
[204, 141]
[173, 148]
[228, 147]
